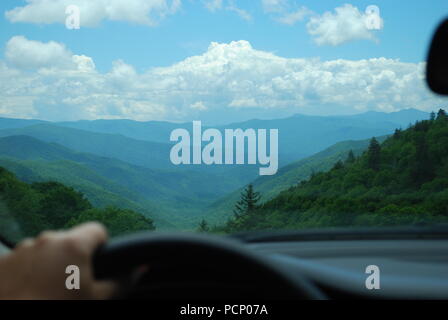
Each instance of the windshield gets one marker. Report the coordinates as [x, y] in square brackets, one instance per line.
[219, 116]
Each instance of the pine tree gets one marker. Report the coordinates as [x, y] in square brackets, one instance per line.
[441, 115]
[432, 116]
[350, 157]
[338, 165]
[423, 169]
[248, 202]
[203, 226]
[374, 155]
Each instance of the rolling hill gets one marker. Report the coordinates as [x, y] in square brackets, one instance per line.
[152, 155]
[402, 181]
[166, 194]
[106, 159]
[142, 153]
[288, 176]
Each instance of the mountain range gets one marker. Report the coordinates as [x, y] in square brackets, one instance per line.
[126, 162]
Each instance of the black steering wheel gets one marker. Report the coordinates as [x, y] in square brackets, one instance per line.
[195, 266]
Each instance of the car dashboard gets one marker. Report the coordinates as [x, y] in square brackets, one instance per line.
[408, 269]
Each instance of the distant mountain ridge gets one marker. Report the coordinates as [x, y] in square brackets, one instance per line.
[294, 134]
[114, 158]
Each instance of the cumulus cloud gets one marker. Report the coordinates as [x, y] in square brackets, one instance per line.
[347, 23]
[29, 54]
[228, 76]
[25, 53]
[145, 12]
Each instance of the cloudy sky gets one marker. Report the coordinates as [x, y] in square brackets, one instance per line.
[214, 60]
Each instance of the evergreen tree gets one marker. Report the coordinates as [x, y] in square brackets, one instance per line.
[350, 157]
[432, 116]
[422, 170]
[203, 227]
[338, 165]
[374, 155]
[441, 115]
[248, 202]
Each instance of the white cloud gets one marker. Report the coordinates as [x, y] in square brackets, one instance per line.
[145, 12]
[285, 11]
[47, 57]
[225, 77]
[83, 63]
[290, 18]
[24, 53]
[199, 105]
[347, 23]
[213, 5]
[243, 103]
[270, 6]
[228, 5]
[241, 12]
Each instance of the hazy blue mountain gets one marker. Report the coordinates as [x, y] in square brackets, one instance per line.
[303, 135]
[156, 131]
[11, 123]
[142, 153]
[159, 131]
[288, 176]
[110, 137]
[138, 152]
[294, 132]
[402, 118]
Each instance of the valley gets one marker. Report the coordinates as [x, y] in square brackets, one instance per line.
[126, 163]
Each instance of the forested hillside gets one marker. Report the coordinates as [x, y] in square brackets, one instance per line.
[402, 181]
[27, 209]
[288, 176]
[160, 194]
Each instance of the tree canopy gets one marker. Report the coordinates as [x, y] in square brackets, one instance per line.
[400, 182]
[27, 209]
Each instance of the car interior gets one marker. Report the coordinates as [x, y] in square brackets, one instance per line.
[287, 265]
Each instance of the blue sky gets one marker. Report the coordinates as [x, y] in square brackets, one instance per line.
[408, 27]
[186, 28]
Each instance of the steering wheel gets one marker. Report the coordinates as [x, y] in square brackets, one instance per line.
[195, 267]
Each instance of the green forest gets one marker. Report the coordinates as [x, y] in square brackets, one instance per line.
[402, 181]
[28, 209]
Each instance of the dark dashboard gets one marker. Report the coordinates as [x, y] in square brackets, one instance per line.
[408, 269]
[407, 263]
